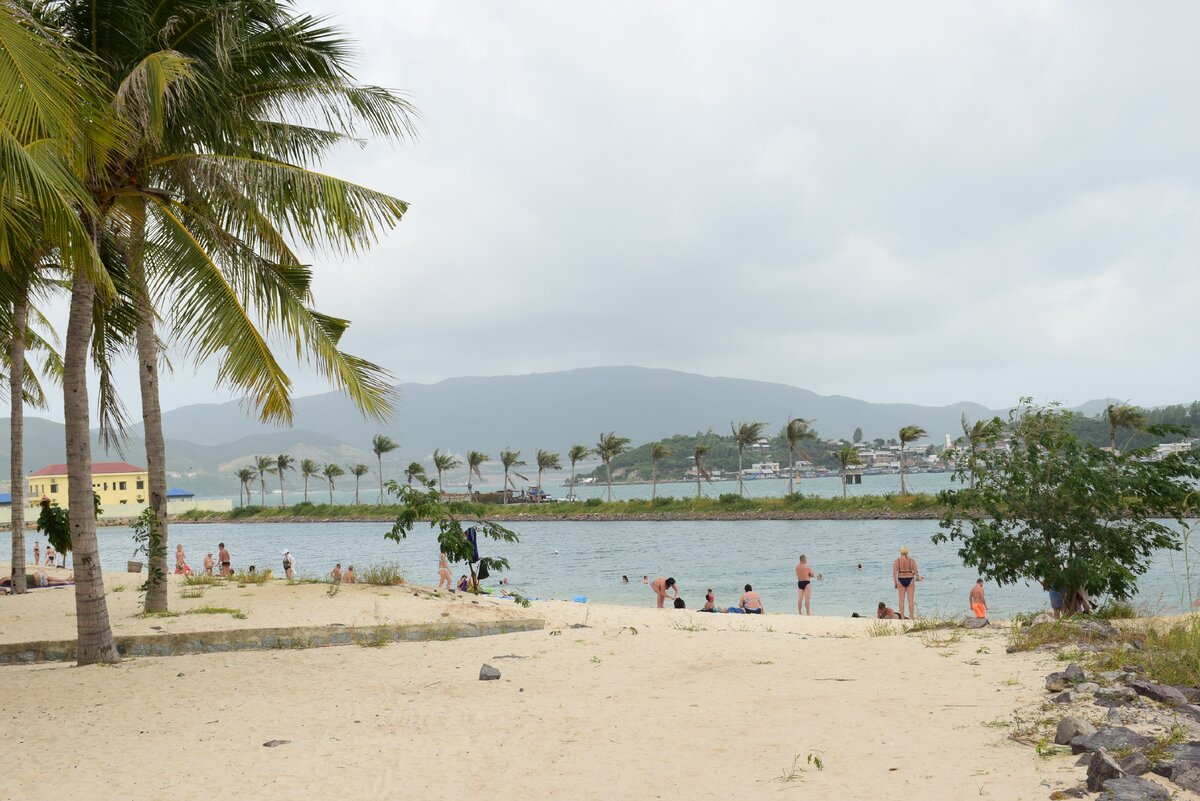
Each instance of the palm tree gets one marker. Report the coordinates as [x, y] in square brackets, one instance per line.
[577, 454]
[546, 461]
[414, 470]
[794, 432]
[382, 444]
[1122, 415]
[358, 471]
[907, 434]
[262, 466]
[332, 471]
[309, 469]
[443, 462]
[475, 460]
[658, 452]
[245, 477]
[283, 462]
[845, 458]
[976, 436]
[508, 460]
[698, 452]
[609, 447]
[745, 435]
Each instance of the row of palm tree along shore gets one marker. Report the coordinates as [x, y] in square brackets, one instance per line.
[160, 164]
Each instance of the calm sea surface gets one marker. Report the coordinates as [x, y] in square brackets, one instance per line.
[565, 559]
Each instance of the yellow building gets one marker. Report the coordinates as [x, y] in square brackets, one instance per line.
[117, 484]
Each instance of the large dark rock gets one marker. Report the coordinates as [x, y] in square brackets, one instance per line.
[1057, 682]
[1117, 738]
[488, 673]
[1178, 759]
[972, 622]
[1074, 674]
[1191, 710]
[1135, 764]
[1133, 788]
[1071, 727]
[1101, 768]
[1192, 694]
[1065, 697]
[1158, 692]
[1114, 696]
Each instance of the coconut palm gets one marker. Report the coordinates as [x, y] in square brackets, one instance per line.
[577, 454]
[510, 459]
[413, 471]
[264, 465]
[245, 477]
[382, 444]
[309, 469]
[609, 447]
[846, 457]
[443, 462]
[332, 471]
[283, 463]
[546, 460]
[358, 471]
[745, 435]
[795, 432]
[658, 452]
[698, 452]
[1122, 415]
[975, 436]
[907, 434]
[475, 460]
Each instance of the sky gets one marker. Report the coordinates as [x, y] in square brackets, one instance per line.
[923, 202]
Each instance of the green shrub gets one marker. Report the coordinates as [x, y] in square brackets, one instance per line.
[1117, 610]
[200, 580]
[593, 502]
[258, 577]
[383, 575]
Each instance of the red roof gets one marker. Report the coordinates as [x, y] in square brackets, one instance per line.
[98, 468]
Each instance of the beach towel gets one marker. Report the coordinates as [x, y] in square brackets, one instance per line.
[473, 538]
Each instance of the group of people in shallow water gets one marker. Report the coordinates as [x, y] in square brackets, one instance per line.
[905, 575]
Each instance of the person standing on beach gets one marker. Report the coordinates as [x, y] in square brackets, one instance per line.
[976, 601]
[223, 558]
[660, 586]
[804, 577]
[51, 556]
[208, 563]
[444, 572]
[181, 565]
[289, 563]
[37, 553]
[904, 574]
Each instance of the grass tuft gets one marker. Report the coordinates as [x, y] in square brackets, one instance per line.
[387, 574]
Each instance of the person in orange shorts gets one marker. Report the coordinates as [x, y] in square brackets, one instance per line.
[977, 600]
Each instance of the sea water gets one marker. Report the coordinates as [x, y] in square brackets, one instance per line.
[562, 560]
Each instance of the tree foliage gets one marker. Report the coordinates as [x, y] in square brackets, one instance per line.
[1050, 508]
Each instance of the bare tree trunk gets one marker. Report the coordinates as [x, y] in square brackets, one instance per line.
[379, 456]
[740, 492]
[653, 481]
[16, 380]
[306, 489]
[356, 480]
[95, 631]
[608, 471]
[791, 470]
[571, 493]
[844, 485]
[281, 503]
[903, 489]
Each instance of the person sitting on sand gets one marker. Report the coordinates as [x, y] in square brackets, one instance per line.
[181, 565]
[977, 601]
[336, 573]
[348, 577]
[444, 571]
[464, 584]
[660, 586]
[710, 602]
[208, 563]
[679, 604]
[886, 612]
[750, 603]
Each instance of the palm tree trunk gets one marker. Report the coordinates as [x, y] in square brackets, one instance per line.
[156, 452]
[306, 489]
[504, 497]
[653, 480]
[380, 457]
[281, 503]
[843, 485]
[16, 379]
[540, 493]
[356, 480]
[571, 492]
[262, 490]
[608, 470]
[903, 489]
[791, 471]
[740, 492]
[331, 492]
[95, 631]
[697, 479]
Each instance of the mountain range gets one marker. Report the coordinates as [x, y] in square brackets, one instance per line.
[206, 442]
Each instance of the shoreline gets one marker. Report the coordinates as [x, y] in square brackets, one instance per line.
[593, 517]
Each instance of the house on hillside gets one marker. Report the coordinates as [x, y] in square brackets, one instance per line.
[117, 484]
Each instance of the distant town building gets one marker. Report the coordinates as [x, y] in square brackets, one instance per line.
[117, 484]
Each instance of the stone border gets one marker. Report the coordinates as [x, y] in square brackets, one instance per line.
[266, 639]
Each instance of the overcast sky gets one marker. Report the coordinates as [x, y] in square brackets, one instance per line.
[925, 202]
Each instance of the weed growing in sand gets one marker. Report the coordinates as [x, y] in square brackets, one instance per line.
[200, 580]
[881, 628]
[762, 662]
[192, 592]
[442, 634]
[334, 588]
[258, 577]
[933, 638]
[983, 649]
[679, 625]
[796, 771]
[386, 574]
[158, 614]
[996, 723]
[932, 624]
[1165, 742]
[379, 637]
[595, 660]
[1170, 654]
[118, 588]
[1046, 749]
[237, 614]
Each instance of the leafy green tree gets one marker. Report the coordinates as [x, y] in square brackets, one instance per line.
[509, 460]
[475, 460]
[546, 460]
[698, 452]
[858, 435]
[907, 434]
[264, 466]
[577, 454]
[846, 458]
[382, 444]
[608, 448]
[55, 522]
[1122, 415]
[658, 452]
[331, 472]
[745, 435]
[283, 463]
[796, 431]
[358, 471]
[1078, 519]
[309, 468]
[443, 462]
[426, 504]
[415, 470]
[245, 477]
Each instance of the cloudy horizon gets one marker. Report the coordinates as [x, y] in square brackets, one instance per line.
[900, 203]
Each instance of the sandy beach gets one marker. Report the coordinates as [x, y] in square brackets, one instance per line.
[606, 702]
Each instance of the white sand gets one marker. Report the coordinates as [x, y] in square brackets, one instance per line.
[691, 706]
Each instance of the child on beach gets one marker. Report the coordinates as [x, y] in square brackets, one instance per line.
[710, 602]
[208, 563]
[181, 565]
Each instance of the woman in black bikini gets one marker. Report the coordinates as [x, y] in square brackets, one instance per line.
[904, 574]
[804, 577]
